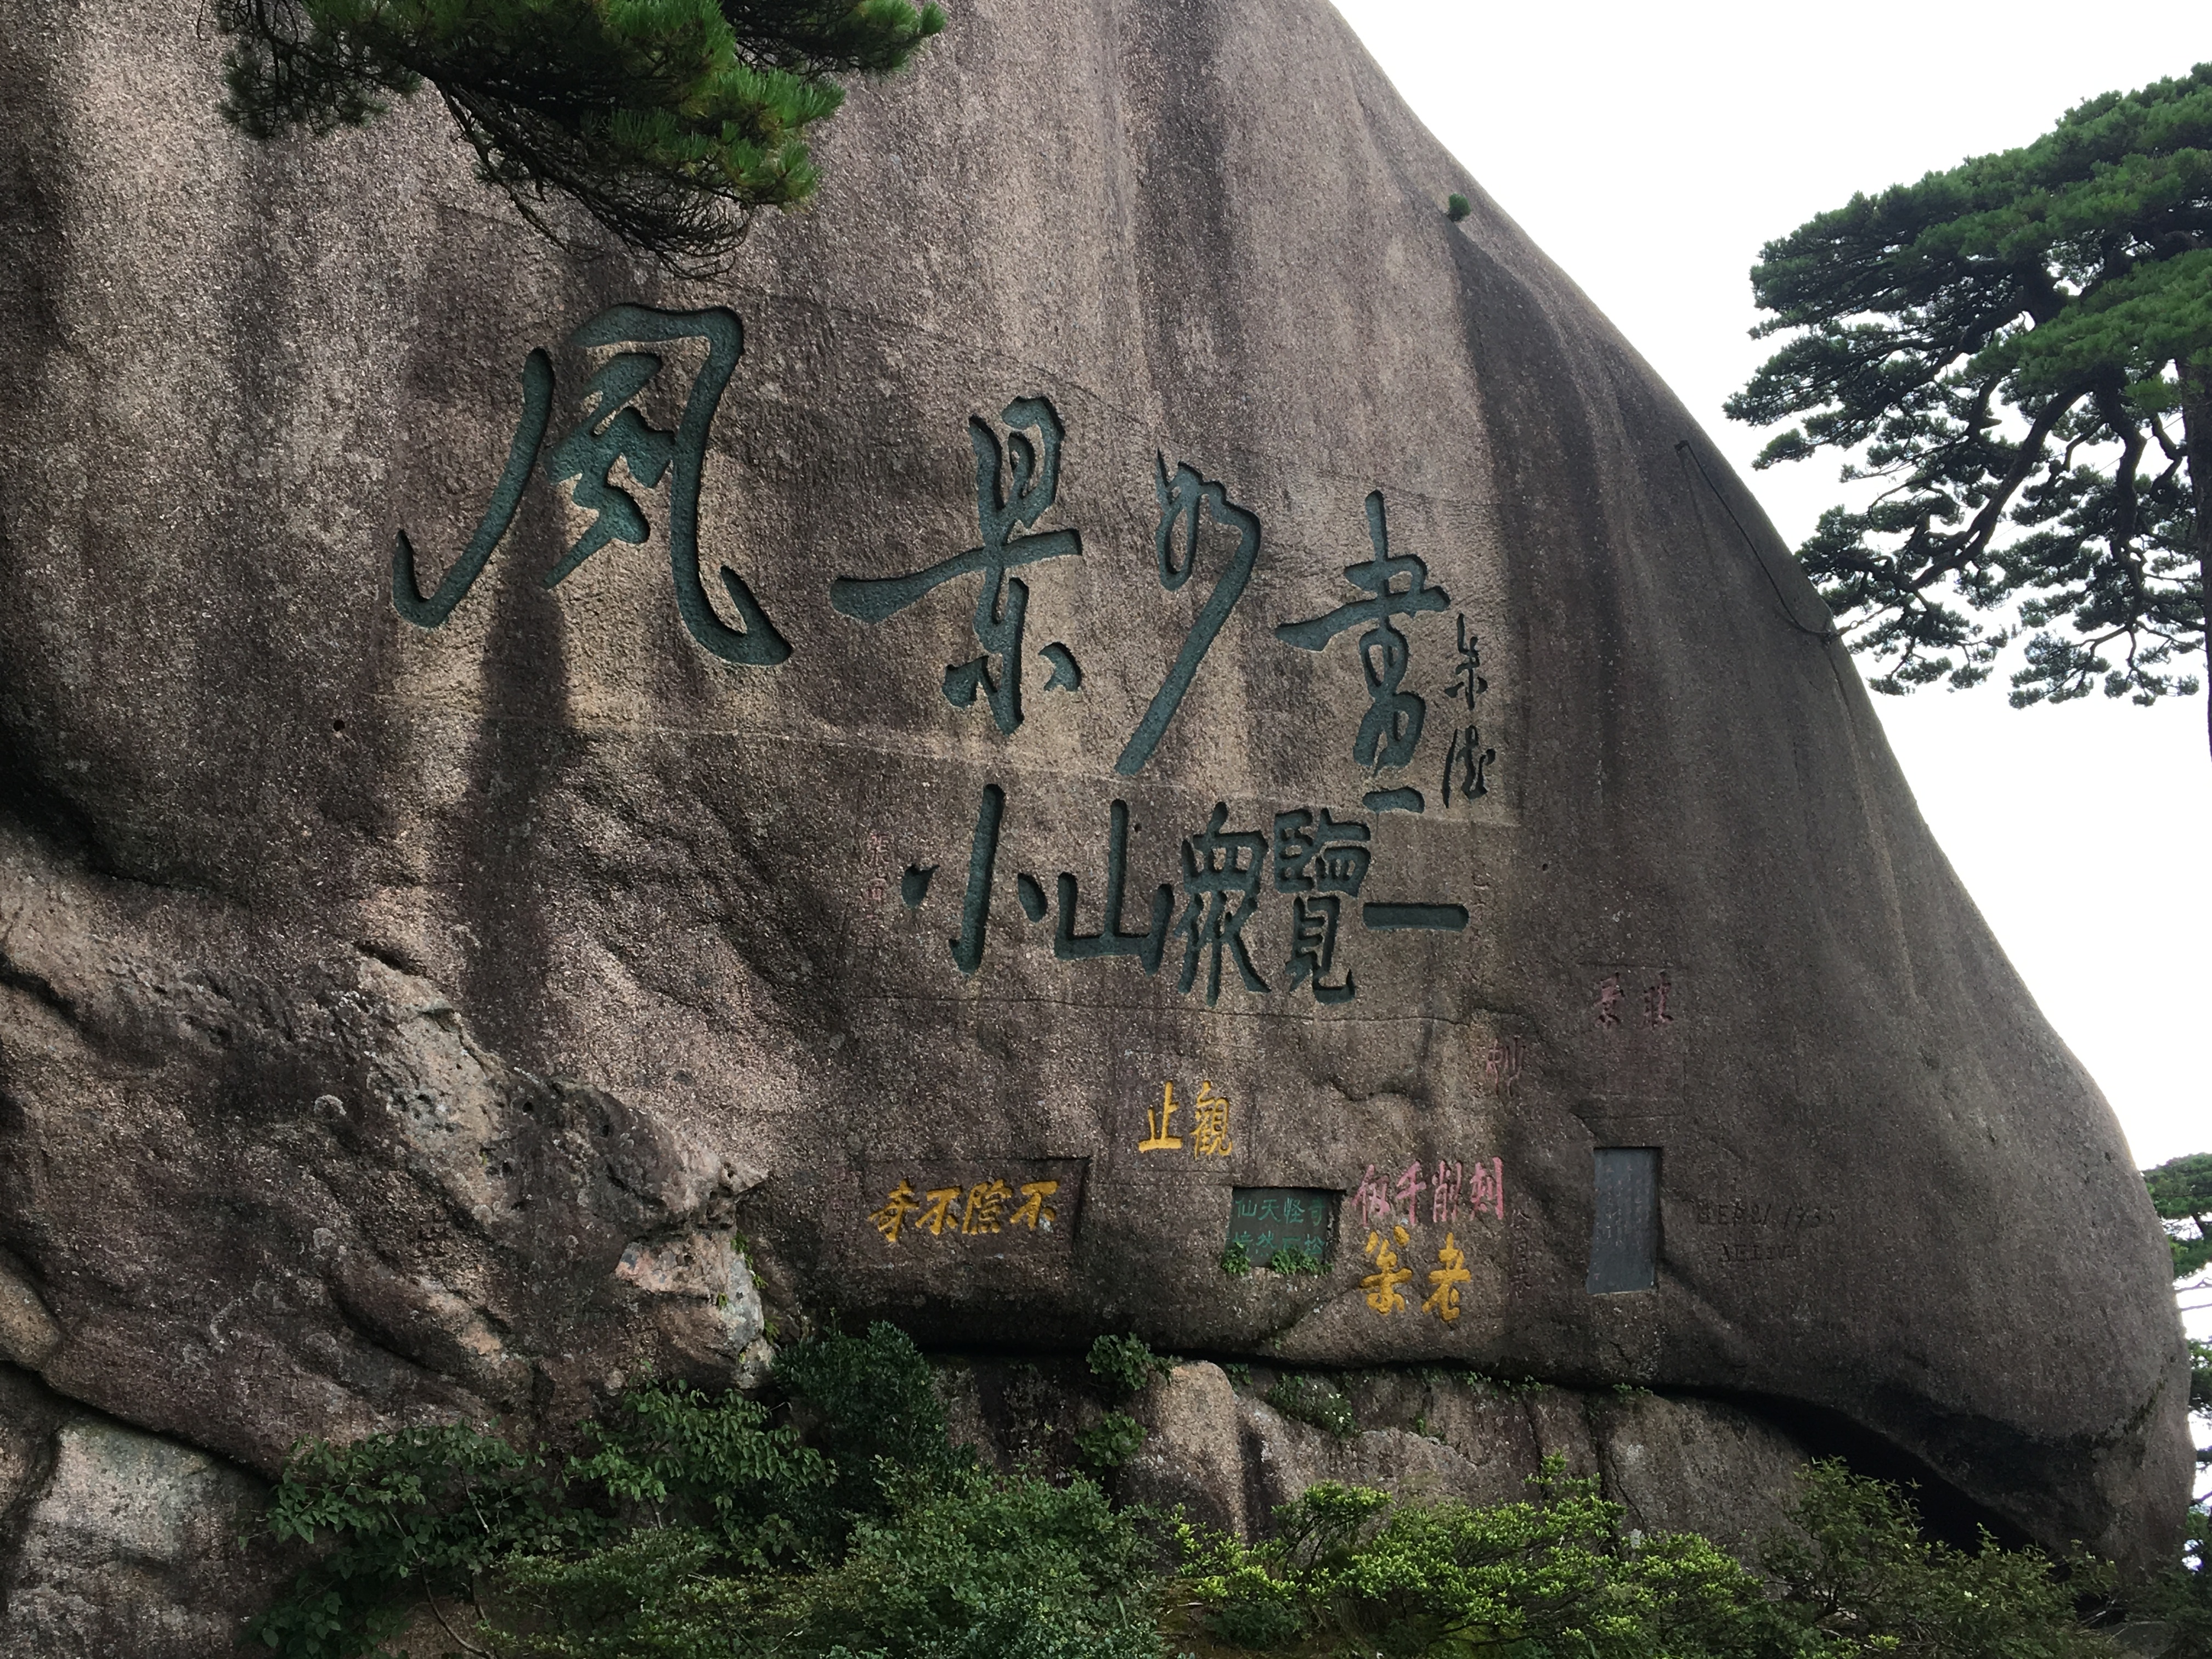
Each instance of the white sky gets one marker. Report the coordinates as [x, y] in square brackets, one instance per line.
[1651, 150]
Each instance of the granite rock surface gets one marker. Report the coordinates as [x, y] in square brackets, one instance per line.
[117, 1541]
[1120, 685]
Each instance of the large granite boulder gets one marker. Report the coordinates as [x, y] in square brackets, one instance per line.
[537, 792]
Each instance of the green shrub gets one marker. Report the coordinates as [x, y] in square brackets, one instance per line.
[1125, 1365]
[1267, 1615]
[671, 1456]
[416, 1512]
[1558, 1574]
[689, 1527]
[1859, 1564]
[1235, 1261]
[1457, 207]
[1311, 1399]
[1110, 1442]
[966, 1566]
[1294, 1259]
[870, 1404]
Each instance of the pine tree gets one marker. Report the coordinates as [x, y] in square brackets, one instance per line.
[670, 121]
[2007, 346]
[2181, 1193]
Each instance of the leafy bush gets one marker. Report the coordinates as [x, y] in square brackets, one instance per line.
[671, 1456]
[691, 1528]
[1235, 1262]
[1558, 1574]
[1311, 1399]
[869, 1403]
[965, 1566]
[1125, 1365]
[985, 1569]
[1110, 1442]
[1859, 1566]
[415, 1513]
[1294, 1259]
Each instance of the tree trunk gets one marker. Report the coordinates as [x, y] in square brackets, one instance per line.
[2196, 435]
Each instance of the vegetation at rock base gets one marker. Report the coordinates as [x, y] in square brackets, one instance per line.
[691, 1527]
[1559, 1573]
[1110, 1442]
[669, 121]
[1125, 1365]
[2182, 1598]
[836, 1520]
[1314, 1400]
[2020, 349]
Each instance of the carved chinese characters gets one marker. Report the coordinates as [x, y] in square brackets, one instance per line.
[1220, 870]
[611, 431]
[984, 1207]
[1286, 888]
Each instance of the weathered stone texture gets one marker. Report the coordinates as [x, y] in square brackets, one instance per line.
[402, 1022]
[1218, 1449]
[1230, 1457]
[117, 1541]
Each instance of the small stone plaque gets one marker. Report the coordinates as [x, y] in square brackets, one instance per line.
[1266, 1219]
[1625, 1236]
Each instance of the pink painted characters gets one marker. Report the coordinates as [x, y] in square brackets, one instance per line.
[1370, 1202]
[1486, 1189]
[1502, 1065]
[1411, 1186]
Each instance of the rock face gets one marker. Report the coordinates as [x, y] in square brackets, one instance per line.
[1122, 685]
[1221, 1448]
[118, 1542]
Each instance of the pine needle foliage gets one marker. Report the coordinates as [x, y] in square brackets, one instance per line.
[2020, 349]
[2181, 1598]
[671, 122]
[2181, 1193]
